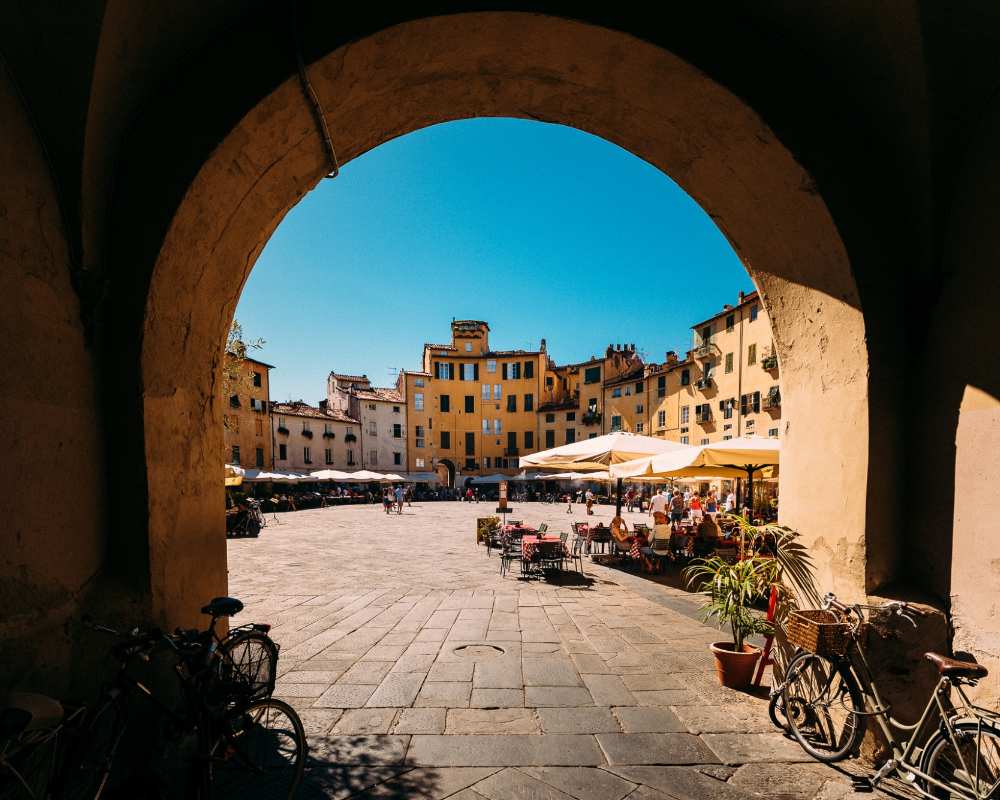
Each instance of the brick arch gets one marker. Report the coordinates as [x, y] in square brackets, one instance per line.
[609, 84]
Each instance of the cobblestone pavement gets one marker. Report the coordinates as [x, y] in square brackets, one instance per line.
[420, 672]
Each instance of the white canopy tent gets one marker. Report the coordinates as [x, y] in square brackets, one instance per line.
[363, 476]
[329, 475]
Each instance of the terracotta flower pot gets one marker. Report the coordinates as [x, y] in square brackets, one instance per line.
[735, 670]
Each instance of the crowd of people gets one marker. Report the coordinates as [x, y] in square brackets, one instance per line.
[675, 506]
[393, 499]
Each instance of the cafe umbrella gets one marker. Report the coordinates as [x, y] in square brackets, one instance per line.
[601, 453]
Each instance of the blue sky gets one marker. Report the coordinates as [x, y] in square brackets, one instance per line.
[541, 230]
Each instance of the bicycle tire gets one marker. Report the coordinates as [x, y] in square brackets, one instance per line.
[29, 766]
[89, 757]
[261, 752]
[248, 665]
[816, 693]
[940, 761]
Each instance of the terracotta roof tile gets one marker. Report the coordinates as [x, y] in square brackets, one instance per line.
[301, 409]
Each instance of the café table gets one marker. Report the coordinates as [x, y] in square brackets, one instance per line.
[535, 549]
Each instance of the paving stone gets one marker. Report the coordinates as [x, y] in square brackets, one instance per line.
[655, 748]
[746, 748]
[539, 635]
[578, 720]
[582, 783]
[496, 698]
[719, 719]
[513, 784]
[366, 672]
[420, 720]
[447, 695]
[556, 670]
[283, 689]
[433, 784]
[590, 663]
[423, 649]
[784, 781]
[397, 689]
[319, 720]
[413, 663]
[344, 695]
[667, 697]
[319, 664]
[365, 721]
[531, 649]
[492, 721]
[655, 681]
[503, 635]
[649, 719]
[543, 750]
[431, 635]
[498, 673]
[326, 676]
[442, 618]
[402, 637]
[451, 671]
[608, 690]
[368, 750]
[541, 696]
[384, 652]
[681, 783]
[340, 781]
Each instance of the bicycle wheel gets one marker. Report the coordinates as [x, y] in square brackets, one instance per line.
[248, 666]
[90, 752]
[824, 706]
[971, 769]
[260, 754]
[28, 764]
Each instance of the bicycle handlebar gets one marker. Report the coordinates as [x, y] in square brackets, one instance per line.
[898, 607]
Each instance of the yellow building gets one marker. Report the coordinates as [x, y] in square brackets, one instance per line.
[247, 424]
[479, 404]
[310, 438]
[420, 434]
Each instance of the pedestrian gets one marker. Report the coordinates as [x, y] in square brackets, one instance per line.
[476, 494]
[730, 502]
[409, 497]
[386, 500]
[590, 503]
[630, 500]
[711, 504]
[399, 499]
[696, 510]
[468, 495]
[568, 497]
[677, 508]
[658, 508]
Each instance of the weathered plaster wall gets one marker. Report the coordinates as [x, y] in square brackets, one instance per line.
[610, 84]
[52, 503]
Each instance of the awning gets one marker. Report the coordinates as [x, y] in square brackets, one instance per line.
[745, 457]
[600, 452]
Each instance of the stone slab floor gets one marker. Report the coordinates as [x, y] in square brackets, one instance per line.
[420, 672]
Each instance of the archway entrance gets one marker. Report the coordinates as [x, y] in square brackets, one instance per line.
[445, 468]
[607, 83]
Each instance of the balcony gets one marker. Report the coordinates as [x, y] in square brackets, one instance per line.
[592, 418]
[329, 435]
[772, 400]
[704, 418]
[769, 362]
[350, 437]
[704, 383]
[704, 350]
[307, 433]
[283, 429]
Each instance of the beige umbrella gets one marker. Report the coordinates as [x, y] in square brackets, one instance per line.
[234, 475]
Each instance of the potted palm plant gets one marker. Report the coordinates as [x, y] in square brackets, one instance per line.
[731, 589]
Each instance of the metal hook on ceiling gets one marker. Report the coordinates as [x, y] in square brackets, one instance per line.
[312, 98]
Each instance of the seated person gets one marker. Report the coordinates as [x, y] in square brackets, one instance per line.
[658, 549]
[707, 537]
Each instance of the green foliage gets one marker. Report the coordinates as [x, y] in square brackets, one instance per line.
[731, 589]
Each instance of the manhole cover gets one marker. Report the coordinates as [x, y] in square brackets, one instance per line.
[478, 651]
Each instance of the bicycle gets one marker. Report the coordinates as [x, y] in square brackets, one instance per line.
[829, 692]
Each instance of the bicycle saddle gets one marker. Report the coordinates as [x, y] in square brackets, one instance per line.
[223, 607]
[954, 668]
[23, 711]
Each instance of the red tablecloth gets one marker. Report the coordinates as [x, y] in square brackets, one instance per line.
[521, 530]
[529, 545]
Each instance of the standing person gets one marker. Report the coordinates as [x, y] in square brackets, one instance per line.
[386, 500]
[711, 504]
[677, 508]
[468, 495]
[590, 503]
[399, 499]
[568, 497]
[730, 502]
[475, 494]
[658, 508]
[696, 510]
[629, 499]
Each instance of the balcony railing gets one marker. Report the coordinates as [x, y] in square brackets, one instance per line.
[307, 433]
[769, 362]
[329, 435]
[704, 418]
[704, 350]
[283, 429]
[772, 399]
[350, 437]
[704, 383]
[592, 418]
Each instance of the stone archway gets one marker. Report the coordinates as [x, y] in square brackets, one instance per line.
[448, 473]
[511, 64]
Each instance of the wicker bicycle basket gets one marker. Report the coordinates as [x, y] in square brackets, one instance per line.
[819, 631]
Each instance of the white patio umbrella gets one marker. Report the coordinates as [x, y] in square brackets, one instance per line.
[601, 452]
[329, 475]
[364, 476]
[392, 477]
[234, 475]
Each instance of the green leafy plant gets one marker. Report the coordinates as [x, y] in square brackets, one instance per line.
[731, 589]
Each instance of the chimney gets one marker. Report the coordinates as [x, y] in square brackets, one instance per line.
[322, 405]
[542, 348]
[741, 296]
[726, 306]
[671, 357]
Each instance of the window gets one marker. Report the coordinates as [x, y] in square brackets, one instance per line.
[445, 402]
[684, 440]
[395, 409]
[487, 462]
[258, 425]
[529, 440]
[350, 458]
[729, 363]
[491, 365]
[305, 425]
[496, 427]
[550, 417]
[661, 386]
[497, 391]
[470, 444]
[329, 455]
[306, 455]
[282, 452]
[260, 457]
[709, 369]
[470, 463]
[753, 313]
[529, 369]
[373, 457]
[638, 387]
[418, 382]
[685, 377]
[468, 347]
[515, 371]
[749, 424]
[706, 334]
[628, 391]
[372, 428]
[592, 436]
[484, 391]
[704, 441]
[638, 427]
[512, 402]
[444, 371]
[281, 422]
[685, 415]
[257, 379]
[372, 407]
[638, 408]
[592, 405]
[445, 440]
[570, 435]
[550, 439]
[486, 426]
[751, 355]
[418, 401]
[470, 372]
[773, 433]
[616, 392]
[730, 323]
[397, 458]
[616, 423]
[661, 419]
[592, 375]
[511, 441]
[571, 416]
[470, 403]
[235, 455]
[529, 402]
[548, 380]
[419, 436]
[726, 407]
